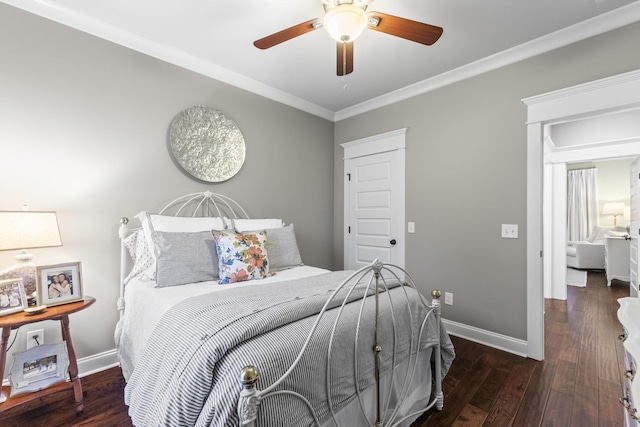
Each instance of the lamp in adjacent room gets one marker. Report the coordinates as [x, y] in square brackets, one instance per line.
[22, 230]
[613, 208]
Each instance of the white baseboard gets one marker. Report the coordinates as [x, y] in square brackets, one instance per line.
[97, 362]
[490, 339]
[92, 364]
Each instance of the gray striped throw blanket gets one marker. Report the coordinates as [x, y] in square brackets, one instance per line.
[188, 374]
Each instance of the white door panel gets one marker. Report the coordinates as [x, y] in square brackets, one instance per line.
[372, 226]
[634, 214]
[374, 199]
[367, 254]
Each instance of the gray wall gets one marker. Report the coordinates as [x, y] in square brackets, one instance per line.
[84, 132]
[466, 175]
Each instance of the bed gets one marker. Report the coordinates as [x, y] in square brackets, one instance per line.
[221, 324]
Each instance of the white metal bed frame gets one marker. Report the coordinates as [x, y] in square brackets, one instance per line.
[373, 277]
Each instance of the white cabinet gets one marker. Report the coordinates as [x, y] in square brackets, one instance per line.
[617, 259]
[629, 316]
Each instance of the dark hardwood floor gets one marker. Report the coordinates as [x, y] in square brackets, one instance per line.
[577, 385]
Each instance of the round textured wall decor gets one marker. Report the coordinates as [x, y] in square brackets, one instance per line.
[206, 144]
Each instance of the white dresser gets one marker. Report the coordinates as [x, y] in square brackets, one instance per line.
[617, 259]
[629, 316]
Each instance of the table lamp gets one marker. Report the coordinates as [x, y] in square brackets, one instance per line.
[613, 208]
[27, 230]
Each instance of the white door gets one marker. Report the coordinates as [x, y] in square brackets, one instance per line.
[634, 226]
[374, 207]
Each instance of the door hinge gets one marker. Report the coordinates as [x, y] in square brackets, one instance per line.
[540, 254]
[349, 230]
[349, 176]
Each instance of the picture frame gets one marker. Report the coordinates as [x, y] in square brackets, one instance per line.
[12, 296]
[38, 368]
[59, 283]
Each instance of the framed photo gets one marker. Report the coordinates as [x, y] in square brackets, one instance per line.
[59, 284]
[12, 297]
[38, 368]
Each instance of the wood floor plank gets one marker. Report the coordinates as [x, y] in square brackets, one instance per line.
[504, 410]
[608, 366]
[470, 416]
[609, 408]
[456, 400]
[535, 398]
[557, 412]
[488, 391]
[564, 380]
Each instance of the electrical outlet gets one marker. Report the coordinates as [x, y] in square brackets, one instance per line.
[510, 231]
[35, 337]
[448, 298]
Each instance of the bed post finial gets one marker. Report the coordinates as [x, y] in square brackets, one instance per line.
[435, 295]
[249, 398]
[122, 232]
[377, 266]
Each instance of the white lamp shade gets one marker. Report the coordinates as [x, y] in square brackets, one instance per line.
[345, 22]
[28, 229]
[613, 208]
[627, 213]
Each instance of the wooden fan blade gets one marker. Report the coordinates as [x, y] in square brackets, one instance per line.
[404, 28]
[344, 58]
[287, 34]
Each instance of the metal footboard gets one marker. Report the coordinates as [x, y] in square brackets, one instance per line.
[375, 279]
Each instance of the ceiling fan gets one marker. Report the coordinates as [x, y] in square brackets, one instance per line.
[344, 20]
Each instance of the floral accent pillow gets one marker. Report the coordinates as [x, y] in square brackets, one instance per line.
[241, 256]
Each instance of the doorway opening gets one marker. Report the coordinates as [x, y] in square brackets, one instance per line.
[609, 96]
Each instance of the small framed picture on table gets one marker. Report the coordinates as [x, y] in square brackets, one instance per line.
[38, 368]
[59, 283]
[12, 297]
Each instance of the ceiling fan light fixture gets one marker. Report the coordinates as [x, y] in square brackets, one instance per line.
[345, 22]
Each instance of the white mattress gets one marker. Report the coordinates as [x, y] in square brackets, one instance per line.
[145, 305]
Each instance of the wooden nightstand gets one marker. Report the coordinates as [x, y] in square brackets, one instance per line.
[58, 312]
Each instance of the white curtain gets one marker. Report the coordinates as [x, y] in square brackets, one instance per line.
[582, 203]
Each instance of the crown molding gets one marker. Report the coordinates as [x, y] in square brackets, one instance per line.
[89, 25]
[606, 22]
[609, 21]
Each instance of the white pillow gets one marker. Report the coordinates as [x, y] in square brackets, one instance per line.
[597, 235]
[241, 225]
[140, 254]
[174, 224]
[178, 224]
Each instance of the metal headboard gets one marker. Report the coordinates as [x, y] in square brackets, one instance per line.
[203, 204]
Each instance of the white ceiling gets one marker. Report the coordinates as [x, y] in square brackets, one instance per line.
[216, 37]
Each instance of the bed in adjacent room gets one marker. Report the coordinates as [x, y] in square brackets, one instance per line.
[222, 324]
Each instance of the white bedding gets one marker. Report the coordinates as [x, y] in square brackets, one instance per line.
[145, 305]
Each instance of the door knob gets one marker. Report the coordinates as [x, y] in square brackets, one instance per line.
[393, 242]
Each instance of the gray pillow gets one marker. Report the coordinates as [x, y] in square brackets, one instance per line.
[184, 258]
[282, 248]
